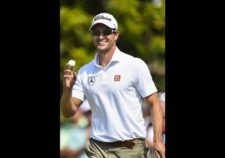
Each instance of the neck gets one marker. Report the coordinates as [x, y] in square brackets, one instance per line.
[105, 57]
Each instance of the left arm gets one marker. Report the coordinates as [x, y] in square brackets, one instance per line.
[156, 114]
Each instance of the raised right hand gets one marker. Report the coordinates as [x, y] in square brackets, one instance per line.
[69, 78]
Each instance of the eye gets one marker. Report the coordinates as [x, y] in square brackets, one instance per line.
[105, 32]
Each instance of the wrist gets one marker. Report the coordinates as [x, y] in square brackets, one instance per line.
[157, 140]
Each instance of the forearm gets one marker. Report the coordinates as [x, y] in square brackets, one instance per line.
[157, 121]
[67, 105]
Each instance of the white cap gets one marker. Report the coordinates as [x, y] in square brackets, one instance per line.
[106, 19]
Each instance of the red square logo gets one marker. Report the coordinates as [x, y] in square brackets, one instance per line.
[117, 77]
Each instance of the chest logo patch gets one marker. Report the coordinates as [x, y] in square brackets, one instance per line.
[117, 77]
[91, 81]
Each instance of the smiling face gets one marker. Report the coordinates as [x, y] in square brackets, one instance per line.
[104, 38]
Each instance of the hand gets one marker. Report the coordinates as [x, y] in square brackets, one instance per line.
[69, 78]
[159, 149]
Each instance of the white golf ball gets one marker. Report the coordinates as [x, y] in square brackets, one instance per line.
[71, 63]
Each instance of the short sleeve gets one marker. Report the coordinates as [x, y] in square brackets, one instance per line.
[77, 90]
[143, 79]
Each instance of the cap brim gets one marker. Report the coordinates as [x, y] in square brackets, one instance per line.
[102, 22]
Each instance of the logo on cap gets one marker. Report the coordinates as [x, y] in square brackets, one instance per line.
[102, 17]
[106, 19]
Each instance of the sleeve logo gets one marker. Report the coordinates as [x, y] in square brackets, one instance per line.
[117, 77]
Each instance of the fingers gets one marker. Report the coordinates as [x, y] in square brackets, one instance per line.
[68, 73]
[158, 155]
[69, 78]
[69, 67]
[159, 150]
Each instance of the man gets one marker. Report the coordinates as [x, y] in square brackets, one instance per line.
[115, 85]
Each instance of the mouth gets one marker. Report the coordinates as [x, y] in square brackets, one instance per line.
[101, 42]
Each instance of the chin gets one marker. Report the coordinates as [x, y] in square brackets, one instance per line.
[102, 48]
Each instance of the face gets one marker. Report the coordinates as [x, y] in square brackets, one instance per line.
[104, 38]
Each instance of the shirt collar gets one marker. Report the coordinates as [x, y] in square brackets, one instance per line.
[115, 58]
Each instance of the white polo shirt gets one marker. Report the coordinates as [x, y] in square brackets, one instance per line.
[115, 94]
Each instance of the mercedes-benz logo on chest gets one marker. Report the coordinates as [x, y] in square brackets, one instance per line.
[91, 80]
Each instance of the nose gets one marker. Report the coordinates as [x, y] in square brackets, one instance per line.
[101, 36]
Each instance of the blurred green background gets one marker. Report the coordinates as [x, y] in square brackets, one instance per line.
[141, 26]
